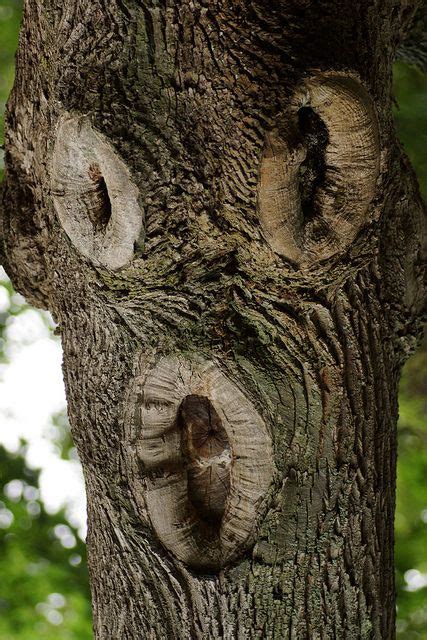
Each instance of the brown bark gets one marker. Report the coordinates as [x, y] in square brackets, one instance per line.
[210, 198]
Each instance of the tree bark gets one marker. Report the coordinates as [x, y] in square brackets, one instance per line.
[211, 200]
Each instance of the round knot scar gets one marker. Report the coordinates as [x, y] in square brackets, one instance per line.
[205, 460]
[93, 194]
[319, 170]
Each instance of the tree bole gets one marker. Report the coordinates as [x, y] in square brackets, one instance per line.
[237, 285]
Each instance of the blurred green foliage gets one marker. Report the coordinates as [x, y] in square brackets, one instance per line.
[411, 507]
[16, 305]
[44, 589]
[410, 86]
[44, 586]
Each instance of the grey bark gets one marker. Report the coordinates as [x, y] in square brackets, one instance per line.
[237, 282]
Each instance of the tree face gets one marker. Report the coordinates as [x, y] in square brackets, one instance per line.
[212, 202]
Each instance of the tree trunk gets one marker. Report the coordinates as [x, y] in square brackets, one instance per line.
[211, 200]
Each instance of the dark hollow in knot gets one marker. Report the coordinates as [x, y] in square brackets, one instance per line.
[315, 136]
[100, 212]
[207, 452]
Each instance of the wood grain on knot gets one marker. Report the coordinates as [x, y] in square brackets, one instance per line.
[319, 170]
[208, 455]
[94, 196]
[206, 460]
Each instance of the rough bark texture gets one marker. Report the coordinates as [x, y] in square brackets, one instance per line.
[183, 99]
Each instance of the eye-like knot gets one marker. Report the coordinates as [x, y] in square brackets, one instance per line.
[93, 193]
[319, 170]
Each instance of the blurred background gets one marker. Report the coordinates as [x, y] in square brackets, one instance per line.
[44, 590]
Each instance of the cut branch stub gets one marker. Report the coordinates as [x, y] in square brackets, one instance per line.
[319, 170]
[207, 460]
[93, 193]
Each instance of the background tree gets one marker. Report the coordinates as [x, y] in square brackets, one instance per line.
[365, 617]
